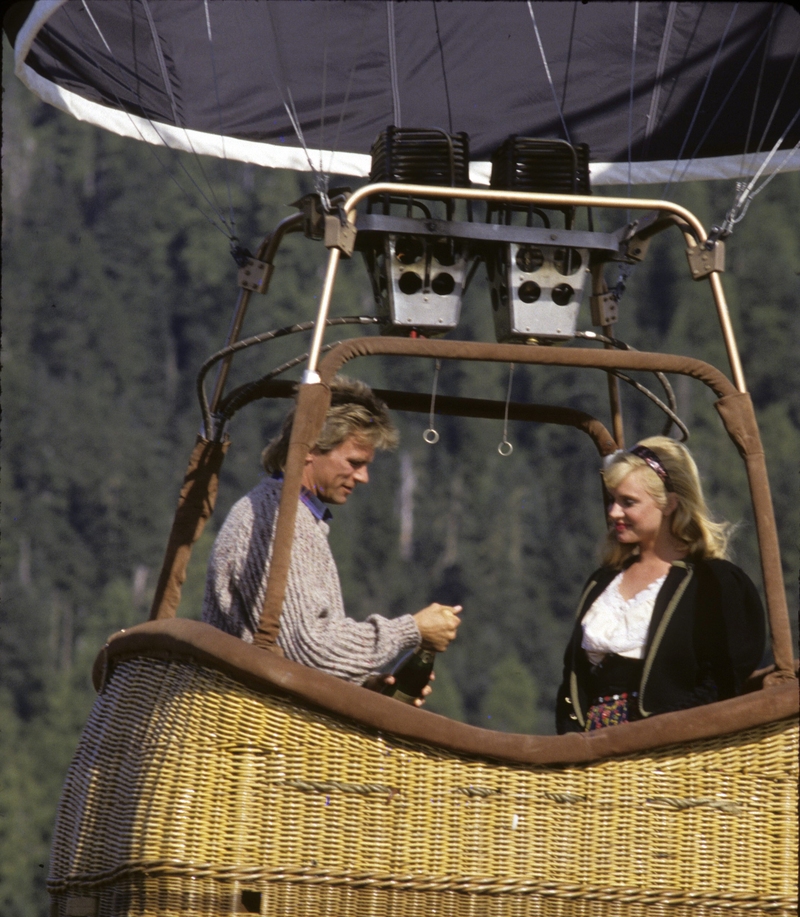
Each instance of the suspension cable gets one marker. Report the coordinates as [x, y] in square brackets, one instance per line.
[219, 115]
[778, 100]
[630, 101]
[757, 94]
[547, 71]
[320, 179]
[700, 100]
[224, 229]
[652, 115]
[721, 106]
[393, 63]
[175, 117]
[356, 59]
[444, 71]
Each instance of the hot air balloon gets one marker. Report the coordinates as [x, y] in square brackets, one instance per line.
[215, 776]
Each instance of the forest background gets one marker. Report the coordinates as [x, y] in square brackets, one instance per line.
[116, 287]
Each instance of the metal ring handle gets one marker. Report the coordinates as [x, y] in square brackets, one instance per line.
[505, 448]
[430, 436]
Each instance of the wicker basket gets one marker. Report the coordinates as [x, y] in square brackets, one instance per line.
[191, 794]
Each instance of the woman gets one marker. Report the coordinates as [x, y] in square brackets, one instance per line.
[667, 622]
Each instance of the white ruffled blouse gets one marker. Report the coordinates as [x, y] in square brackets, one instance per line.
[617, 625]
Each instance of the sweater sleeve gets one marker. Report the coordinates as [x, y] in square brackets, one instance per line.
[314, 629]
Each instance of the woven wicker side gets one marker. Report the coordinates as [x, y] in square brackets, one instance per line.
[192, 795]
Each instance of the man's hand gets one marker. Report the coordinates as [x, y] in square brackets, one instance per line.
[376, 683]
[437, 625]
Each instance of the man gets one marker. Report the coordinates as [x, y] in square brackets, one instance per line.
[313, 627]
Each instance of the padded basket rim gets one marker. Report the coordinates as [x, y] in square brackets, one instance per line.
[179, 638]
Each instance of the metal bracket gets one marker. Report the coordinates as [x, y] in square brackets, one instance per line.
[254, 275]
[637, 247]
[704, 260]
[605, 309]
[339, 233]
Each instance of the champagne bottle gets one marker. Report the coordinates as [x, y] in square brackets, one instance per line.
[412, 676]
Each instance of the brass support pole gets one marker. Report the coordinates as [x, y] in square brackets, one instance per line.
[727, 331]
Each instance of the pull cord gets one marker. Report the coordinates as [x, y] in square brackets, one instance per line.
[431, 436]
[506, 448]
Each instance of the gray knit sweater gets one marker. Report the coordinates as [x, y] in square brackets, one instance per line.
[313, 628]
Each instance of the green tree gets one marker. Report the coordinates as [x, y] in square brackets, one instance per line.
[512, 702]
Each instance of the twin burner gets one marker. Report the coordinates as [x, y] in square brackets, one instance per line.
[420, 263]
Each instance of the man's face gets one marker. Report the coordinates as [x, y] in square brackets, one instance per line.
[332, 476]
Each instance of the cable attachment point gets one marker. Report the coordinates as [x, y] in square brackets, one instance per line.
[705, 260]
[340, 232]
[254, 275]
[239, 253]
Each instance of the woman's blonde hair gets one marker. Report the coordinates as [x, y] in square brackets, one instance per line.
[354, 411]
[691, 523]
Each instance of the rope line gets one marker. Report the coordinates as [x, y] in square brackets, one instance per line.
[393, 63]
[356, 58]
[360, 789]
[746, 193]
[219, 114]
[444, 71]
[652, 115]
[506, 448]
[397, 881]
[757, 94]
[175, 117]
[161, 62]
[547, 71]
[324, 99]
[724, 102]
[778, 100]
[630, 103]
[700, 100]
[224, 229]
[234, 348]
[320, 182]
[569, 53]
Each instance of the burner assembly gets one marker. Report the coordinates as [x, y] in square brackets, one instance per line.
[417, 274]
[420, 254]
[537, 289]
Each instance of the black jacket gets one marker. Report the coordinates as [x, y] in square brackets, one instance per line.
[705, 638]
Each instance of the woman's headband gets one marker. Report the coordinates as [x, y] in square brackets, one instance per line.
[647, 456]
[654, 462]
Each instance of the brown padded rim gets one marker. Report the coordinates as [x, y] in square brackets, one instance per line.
[739, 418]
[518, 353]
[268, 673]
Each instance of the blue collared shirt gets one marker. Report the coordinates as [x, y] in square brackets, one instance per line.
[318, 509]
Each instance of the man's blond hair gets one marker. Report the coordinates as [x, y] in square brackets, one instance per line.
[354, 412]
